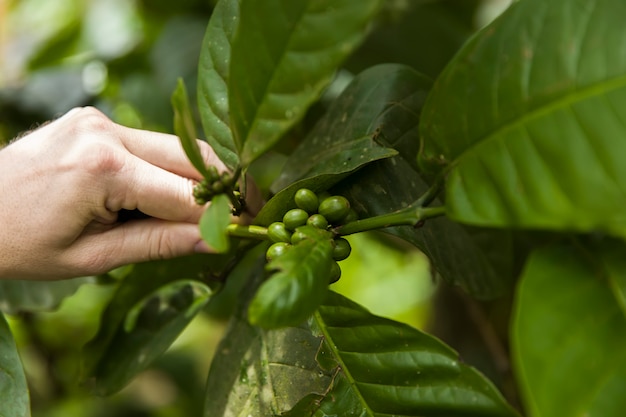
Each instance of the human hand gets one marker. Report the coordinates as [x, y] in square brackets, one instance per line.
[62, 188]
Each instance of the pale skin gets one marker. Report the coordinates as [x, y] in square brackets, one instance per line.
[63, 185]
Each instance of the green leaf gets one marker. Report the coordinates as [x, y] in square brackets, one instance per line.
[347, 137]
[149, 328]
[213, 81]
[30, 296]
[283, 55]
[344, 362]
[214, 222]
[13, 386]
[529, 117]
[389, 368]
[355, 123]
[143, 279]
[612, 255]
[184, 127]
[298, 284]
[569, 337]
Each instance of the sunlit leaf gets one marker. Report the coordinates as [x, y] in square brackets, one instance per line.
[283, 55]
[569, 337]
[148, 330]
[185, 129]
[13, 386]
[530, 119]
[214, 222]
[213, 80]
[298, 283]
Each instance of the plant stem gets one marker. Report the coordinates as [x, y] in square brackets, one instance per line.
[410, 216]
[250, 232]
[431, 193]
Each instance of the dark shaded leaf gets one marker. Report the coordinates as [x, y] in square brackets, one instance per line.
[367, 111]
[386, 102]
[214, 222]
[348, 136]
[13, 386]
[184, 127]
[435, 31]
[30, 296]
[529, 117]
[143, 279]
[149, 328]
[213, 82]
[284, 54]
[569, 336]
[298, 283]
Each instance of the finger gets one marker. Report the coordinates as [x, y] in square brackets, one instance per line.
[154, 191]
[166, 151]
[135, 241]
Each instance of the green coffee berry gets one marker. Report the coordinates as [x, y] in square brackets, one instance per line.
[213, 174]
[306, 200]
[317, 220]
[217, 187]
[297, 237]
[334, 208]
[295, 218]
[341, 249]
[277, 232]
[277, 249]
[335, 273]
[352, 216]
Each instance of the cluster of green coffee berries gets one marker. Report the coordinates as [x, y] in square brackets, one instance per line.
[322, 211]
[214, 184]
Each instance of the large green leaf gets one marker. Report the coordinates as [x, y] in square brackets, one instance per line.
[282, 56]
[569, 337]
[530, 119]
[213, 76]
[298, 283]
[149, 328]
[13, 386]
[26, 295]
[344, 362]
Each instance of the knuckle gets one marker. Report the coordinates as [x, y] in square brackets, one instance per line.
[162, 246]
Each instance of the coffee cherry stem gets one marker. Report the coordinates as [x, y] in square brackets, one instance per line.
[249, 232]
[430, 194]
[410, 216]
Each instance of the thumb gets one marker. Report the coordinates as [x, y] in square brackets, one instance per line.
[138, 241]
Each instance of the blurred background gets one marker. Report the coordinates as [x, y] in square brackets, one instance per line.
[124, 57]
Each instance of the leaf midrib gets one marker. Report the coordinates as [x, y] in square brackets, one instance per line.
[579, 96]
[321, 324]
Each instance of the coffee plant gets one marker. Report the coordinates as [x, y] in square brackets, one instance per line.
[504, 169]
